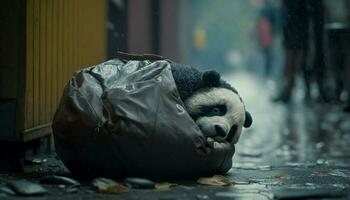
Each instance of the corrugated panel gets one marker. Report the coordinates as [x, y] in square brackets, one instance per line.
[62, 36]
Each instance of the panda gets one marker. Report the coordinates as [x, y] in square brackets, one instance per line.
[213, 104]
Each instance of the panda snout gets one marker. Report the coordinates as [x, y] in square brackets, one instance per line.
[220, 131]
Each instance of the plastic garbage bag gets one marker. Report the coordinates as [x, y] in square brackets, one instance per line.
[125, 118]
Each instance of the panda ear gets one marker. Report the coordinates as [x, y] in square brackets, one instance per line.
[248, 120]
[211, 78]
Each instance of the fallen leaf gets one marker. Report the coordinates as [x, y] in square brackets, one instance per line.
[281, 175]
[114, 188]
[164, 186]
[320, 173]
[216, 180]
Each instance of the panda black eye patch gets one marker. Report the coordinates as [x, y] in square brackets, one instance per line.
[210, 111]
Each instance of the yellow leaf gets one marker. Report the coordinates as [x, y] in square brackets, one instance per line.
[216, 180]
[281, 175]
[113, 188]
[164, 186]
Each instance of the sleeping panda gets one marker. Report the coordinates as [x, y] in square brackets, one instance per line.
[212, 103]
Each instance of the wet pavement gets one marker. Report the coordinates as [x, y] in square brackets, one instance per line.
[295, 151]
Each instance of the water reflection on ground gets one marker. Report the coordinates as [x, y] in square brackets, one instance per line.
[297, 150]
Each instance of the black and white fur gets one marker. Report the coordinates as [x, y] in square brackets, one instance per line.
[213, 104]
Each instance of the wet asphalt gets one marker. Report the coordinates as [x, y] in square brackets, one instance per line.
[293, 151]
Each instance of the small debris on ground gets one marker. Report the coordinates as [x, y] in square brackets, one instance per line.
[60, 180]
[26, 188]
[6, 190]
[109, 186]
[216, 180]
[164, 186]
[139, 183]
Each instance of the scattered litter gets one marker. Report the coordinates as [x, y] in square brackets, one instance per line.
[164, 186]
[6, 190]
[109, 186]
[216, 180]
[26, 188]
[103, 180]
[139, 183]
[60, 180]
[282, 176]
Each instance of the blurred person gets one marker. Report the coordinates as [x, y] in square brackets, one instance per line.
[316, 69]
[338, 45]
[266, 28]
[295, 32]
[265, 36]
[303, 40]
[347, 63]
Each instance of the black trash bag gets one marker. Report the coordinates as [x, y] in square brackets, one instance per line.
[125, 119]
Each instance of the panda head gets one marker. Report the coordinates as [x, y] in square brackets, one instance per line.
[218, 109]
